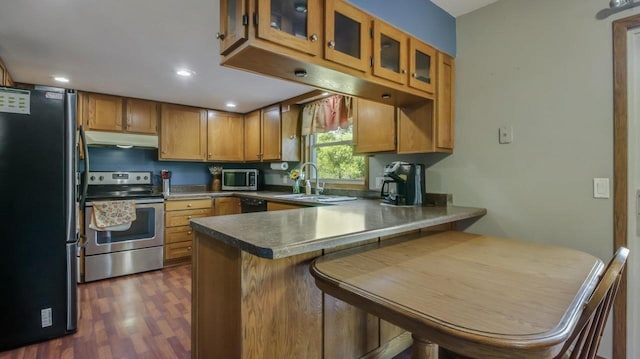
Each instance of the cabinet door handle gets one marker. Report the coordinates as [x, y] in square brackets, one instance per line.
[219, 36]
[313, 38]
[189, 205]
[188, 217]
[414, 75]
[189, 249]
[332, 44]
[189, 233]
[404, 71]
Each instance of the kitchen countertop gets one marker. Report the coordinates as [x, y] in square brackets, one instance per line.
[280, 234]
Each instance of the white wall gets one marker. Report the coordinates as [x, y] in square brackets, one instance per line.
[545, 68]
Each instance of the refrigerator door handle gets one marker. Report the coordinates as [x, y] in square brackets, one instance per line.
[85, 180]
[70, 159]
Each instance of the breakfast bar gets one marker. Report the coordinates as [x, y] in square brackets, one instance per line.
[254, 296]
[480, 296]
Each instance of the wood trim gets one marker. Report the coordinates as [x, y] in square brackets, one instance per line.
[620, 185]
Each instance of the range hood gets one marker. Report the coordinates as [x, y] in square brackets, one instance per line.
[123, 140]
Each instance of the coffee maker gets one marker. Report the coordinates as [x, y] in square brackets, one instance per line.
[404, 184]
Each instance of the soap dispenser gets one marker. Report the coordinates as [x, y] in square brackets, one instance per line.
[307, 187]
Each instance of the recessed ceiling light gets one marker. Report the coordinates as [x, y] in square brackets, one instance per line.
[185, 73]
[61, 79]
[230, 104]
[325, 93]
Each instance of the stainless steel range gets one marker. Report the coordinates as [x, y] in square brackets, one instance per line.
[139, 248]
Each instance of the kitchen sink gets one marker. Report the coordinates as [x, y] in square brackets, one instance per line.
[316, 197]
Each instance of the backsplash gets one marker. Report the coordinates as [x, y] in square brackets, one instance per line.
[182, 173]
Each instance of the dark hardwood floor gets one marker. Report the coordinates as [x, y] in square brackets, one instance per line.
[145, 315]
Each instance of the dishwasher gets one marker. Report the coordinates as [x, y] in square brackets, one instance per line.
[249, 205]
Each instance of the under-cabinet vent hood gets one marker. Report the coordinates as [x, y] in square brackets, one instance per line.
[123, 140]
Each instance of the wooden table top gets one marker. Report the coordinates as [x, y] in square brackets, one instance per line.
[478, 295]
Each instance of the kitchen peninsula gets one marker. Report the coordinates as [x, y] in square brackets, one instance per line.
[253, 294]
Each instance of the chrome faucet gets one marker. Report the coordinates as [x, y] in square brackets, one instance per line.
[318, 188]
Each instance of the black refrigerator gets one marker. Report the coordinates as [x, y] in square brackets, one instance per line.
[39, 236]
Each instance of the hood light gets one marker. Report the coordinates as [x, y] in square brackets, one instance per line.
[126, 147]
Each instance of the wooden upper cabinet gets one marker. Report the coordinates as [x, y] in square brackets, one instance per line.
[3, 75]
[445, 103]
[292, 23]
[234, 21]
[103, 112]
[142, 116]
[262, 135]
[390, 51]
[374, 127]
[271, 133]
[183, 133]
[291, 139]
[5, 78]
[8, 81]
[225, 136]
[415, 128]
[421, 66]
[252, 150]
[347, 36]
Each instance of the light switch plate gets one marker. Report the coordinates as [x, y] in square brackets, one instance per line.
[600, 188]
[505, 134]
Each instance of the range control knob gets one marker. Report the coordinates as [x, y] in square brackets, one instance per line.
[146, 178]
[92, 178]
[101, 178]
[138, 178]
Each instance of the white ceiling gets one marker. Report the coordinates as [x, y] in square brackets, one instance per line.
[461, 7]
[133, 48]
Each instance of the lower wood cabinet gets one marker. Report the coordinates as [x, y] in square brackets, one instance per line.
[178, 232]
[226, 205]
[278, 206]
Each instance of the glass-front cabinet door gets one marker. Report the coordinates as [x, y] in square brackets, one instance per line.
[347, 35]
[421, 66]
[390, 52]
[234, 22]
[291, 23]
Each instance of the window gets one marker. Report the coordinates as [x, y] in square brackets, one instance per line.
[333, 153]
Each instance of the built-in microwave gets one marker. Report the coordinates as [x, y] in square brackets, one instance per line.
[240, 180]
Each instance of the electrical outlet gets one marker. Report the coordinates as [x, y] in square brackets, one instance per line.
[45, 317]
[379, 181]
[505, 135]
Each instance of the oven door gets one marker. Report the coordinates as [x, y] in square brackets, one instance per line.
[146, 231]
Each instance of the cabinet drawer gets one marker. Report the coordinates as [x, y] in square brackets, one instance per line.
[181, 218]
[178, 234]
[188, 204]
[177, 250]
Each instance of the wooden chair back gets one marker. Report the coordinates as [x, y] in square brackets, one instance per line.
[585, 339]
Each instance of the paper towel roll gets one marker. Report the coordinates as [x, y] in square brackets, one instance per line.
[280, 166]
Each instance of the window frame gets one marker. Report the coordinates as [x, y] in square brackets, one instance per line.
[337, 183]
